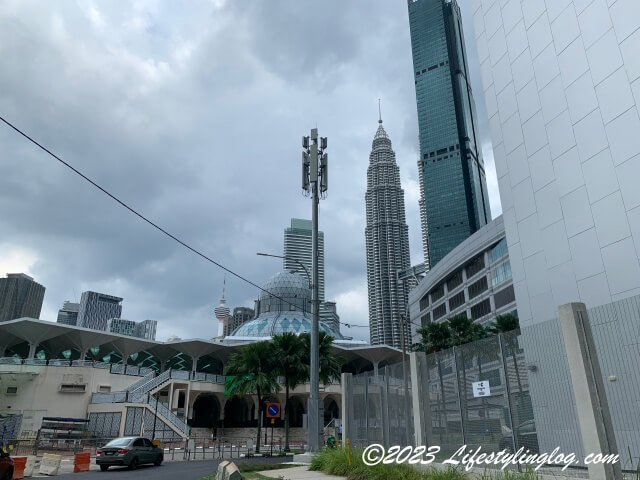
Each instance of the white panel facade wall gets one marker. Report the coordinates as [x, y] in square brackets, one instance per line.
[561, 80]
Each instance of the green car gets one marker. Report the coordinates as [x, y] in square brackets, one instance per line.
[130, 452]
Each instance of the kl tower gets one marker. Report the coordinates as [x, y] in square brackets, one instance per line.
[222, 312]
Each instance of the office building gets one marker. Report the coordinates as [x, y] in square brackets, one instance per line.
[454, 200]
[20, 296]
[387, 244]
[240, 316]
[121, 326]
[68, 314]
[97, 308]
[562, 86]
[297, 250]
[474, 279]
[329, 315]
[147, 329]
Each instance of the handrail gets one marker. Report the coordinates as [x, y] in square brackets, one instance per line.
[152, 383]
[148, 377]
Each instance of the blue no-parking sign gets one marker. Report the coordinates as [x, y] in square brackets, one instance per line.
[273, 410]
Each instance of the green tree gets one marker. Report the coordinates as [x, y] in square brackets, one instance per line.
[289, 350]
[330, 363]
[255, 374]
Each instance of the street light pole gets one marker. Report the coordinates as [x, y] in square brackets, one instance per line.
[314, 181]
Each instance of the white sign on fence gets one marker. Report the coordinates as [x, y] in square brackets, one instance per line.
[481, 389]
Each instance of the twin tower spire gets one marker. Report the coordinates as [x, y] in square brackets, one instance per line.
[387, 241]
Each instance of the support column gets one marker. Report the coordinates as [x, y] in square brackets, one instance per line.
[194, 366]
[346, 385]
[421, 401]
[163, 365]
[83, 354]
[375, 368]
[32, 351]
[596, 427]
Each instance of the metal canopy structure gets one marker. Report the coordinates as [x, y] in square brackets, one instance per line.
[56, 338]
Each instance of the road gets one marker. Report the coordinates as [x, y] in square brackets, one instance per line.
[192, 470]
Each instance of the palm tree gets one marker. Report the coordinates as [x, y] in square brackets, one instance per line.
[289, 350]
[254, 368]
[330, 363]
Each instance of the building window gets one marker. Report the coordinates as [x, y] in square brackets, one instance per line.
[478, 287]
[73, 388]
[425, 320]
[504, 297]
[501, 273]
[424, 302]
[437, 293]
[498, 251]
[481, 309]
[454, 280]
[475, 266]
[456, 301]
[439, 311]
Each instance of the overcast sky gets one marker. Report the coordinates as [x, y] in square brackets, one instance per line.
[193, 114]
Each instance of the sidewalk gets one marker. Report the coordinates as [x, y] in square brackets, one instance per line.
[299, 473]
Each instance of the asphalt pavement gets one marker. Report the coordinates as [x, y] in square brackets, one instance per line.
[191, 470]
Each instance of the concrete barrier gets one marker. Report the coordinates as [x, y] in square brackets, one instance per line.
[28, 468]
[50, 464]
[82, 462]
[18, 467]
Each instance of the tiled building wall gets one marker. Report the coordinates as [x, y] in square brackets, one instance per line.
[561, 81]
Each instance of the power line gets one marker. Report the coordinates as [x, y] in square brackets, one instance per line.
[154, 225]
[138, 214]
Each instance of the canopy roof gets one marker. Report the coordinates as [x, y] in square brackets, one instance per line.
[57, 337]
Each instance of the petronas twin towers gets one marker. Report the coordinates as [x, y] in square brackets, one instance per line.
[387, 243]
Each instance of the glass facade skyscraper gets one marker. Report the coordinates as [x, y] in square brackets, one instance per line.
[454, 202]
[97, 308]
[297, 249]
[68, 314]
[20, 296]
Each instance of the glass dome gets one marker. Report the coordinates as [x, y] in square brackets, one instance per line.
[270, 324]
[284, 306]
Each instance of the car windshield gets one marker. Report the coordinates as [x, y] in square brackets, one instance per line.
[119, 442]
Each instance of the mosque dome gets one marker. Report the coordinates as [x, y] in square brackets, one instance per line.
[284, 306]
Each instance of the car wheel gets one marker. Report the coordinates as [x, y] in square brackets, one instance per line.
[134, 463]
[158, 461]
[104, 468]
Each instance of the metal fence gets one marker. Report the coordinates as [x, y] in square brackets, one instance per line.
[476, 395]
[379, 409]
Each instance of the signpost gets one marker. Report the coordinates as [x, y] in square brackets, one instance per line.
[273, 412]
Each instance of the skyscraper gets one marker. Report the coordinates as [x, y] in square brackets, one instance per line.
[68, 314]
[454, 202]
[387, 243]
[297, 246]
[147, 329]
[97, 308]
[20, 297]
[240, 316]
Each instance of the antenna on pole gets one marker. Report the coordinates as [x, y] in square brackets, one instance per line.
[379, 112]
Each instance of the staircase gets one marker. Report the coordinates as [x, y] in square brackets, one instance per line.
[139, 392]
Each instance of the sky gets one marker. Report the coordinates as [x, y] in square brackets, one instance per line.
[193, 114]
